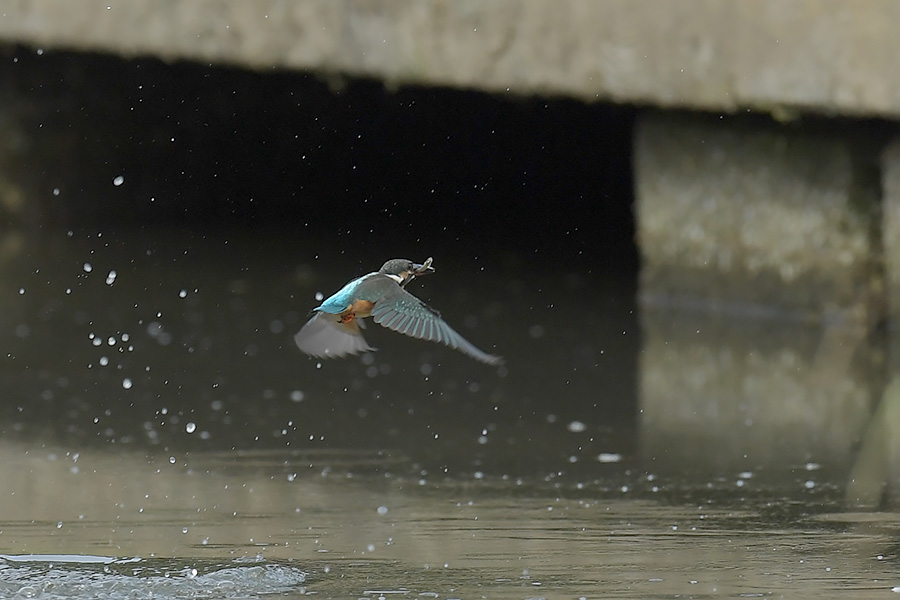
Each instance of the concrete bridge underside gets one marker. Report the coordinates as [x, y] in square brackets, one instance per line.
[779, 211]
[770, 56]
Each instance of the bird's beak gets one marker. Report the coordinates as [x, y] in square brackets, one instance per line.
[423, 269]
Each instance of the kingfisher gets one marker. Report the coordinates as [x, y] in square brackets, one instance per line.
[334, 329]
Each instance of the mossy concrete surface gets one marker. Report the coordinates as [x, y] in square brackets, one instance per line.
[750, 216]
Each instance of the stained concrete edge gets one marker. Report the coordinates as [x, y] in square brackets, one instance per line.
[773, 56]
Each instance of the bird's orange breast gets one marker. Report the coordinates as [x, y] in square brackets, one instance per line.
[359, 309]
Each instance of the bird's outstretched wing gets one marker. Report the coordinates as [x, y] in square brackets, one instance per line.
[404, 313]
[324, 336]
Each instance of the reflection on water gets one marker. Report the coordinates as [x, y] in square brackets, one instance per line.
[748, 392]
[155, 409]
[875, 476]
[355, 526]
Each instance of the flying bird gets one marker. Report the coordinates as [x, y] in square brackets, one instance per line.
[334, 329]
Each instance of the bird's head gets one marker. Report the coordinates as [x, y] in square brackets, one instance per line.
[406, 269]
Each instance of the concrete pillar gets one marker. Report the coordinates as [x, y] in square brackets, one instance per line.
[761, 281]
[753, 217]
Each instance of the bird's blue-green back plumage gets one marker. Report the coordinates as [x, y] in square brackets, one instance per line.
[341, 299]
[372, 287]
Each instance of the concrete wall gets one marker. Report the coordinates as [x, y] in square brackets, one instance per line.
[774, 56]
[744, 214]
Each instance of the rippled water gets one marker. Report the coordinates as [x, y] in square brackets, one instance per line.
[340, 525]
[161, 437]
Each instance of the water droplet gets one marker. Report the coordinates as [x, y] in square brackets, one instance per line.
[118, 180]
[126, 383]
[382, 510]
[577, 426]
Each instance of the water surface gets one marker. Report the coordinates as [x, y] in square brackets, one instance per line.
[161, 434]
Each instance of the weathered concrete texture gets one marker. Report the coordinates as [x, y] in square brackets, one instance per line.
[772, 55]
[724, 393]
[751, 215]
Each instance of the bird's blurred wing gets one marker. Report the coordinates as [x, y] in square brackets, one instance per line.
[404, 313]
[324, 336]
